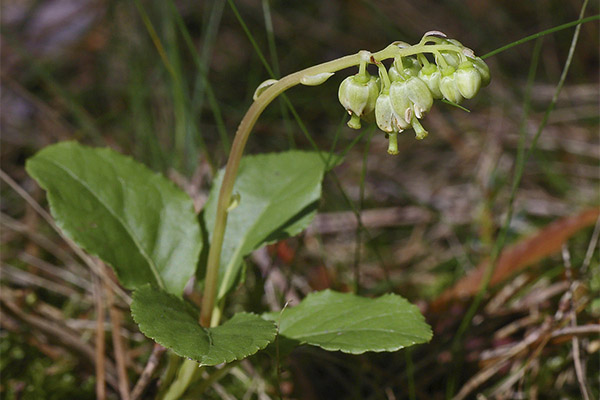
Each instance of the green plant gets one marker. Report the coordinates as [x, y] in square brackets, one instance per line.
[146, 229]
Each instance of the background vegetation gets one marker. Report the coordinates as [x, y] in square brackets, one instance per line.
[168, 81]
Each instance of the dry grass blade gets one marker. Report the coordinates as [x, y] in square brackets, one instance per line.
[100, 343]
[48, 218]
[118, 344]
[579, 371]
[518, 256]
[58, 333]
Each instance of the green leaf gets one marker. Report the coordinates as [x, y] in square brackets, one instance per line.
[279, 196]
[353, 324]
[117, 209]
[173, 323]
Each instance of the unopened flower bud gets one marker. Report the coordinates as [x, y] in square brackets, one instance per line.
[431, 75]
[394, 74]
[448, 86]
[451, 57]
[358, 94]
[468, 80]
[483, 70]
[411, 66]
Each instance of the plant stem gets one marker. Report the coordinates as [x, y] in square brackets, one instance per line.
[239, 143]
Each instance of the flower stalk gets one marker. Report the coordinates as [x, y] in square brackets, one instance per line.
[269, 92]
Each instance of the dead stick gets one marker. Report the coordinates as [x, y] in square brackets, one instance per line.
[573, 323]
[149, 369]
[118, 345]
[100, 344]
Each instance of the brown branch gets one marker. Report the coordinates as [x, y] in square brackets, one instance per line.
[577, 330]
[118, 345]
[149, 369]
[100, 343]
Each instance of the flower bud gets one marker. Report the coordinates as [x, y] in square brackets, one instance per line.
[431, 75]
[448, 86]
[468, 80]
[451, 57]
[394, 74]
[411, 66]
[387, 119]
[358, 94]
[419, 95]
[483, 70]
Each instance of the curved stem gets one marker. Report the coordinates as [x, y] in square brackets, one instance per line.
[239, 143]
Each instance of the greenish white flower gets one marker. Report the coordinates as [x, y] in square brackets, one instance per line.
[388, 120]
[483, 70]
[358, 94]
[431, 75]
[468, 79]
[419, 95]
[448, 85]
[401, 103]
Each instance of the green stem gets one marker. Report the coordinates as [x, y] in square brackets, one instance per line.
[540, 34]
[188, 373]
[239, 143]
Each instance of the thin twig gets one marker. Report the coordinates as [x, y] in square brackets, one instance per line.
[21, 277]
[579, 372]
[100, 343]
[50, 246]
[591, 247]
[86, 258]
[149, 369]
[577, 330]
[118, 345]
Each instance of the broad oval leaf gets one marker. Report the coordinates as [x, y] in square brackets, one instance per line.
[117, 209]
[173, 323]
[279, 195]
[353, 324]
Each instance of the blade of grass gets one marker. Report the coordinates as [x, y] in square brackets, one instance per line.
[147, 147]
[522, 156]
[275, 61]
[361, 201]
[206, 86]
[542, 33]
[185, 153]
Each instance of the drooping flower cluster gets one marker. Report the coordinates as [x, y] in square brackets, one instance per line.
[402, 95]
